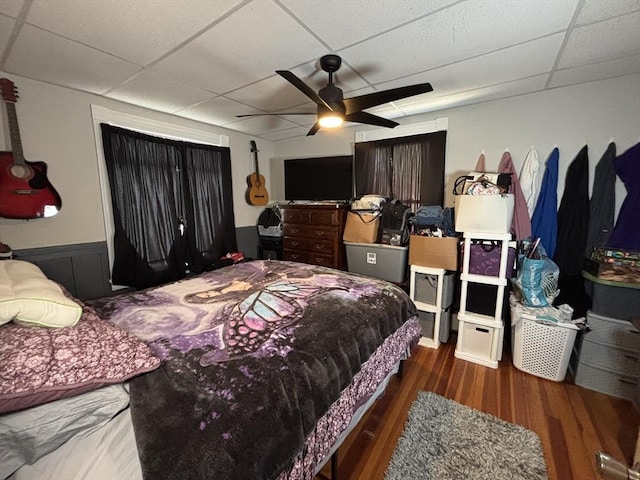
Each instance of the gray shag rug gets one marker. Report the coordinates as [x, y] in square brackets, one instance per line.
[445, 440]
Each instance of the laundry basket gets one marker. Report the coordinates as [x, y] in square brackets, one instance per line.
[540, 349]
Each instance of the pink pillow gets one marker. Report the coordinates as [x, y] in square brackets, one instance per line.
[38, 365]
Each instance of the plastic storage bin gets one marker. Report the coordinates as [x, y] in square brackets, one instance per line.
[542, 350]
[386, 262]
[427, 321]
[426, 288]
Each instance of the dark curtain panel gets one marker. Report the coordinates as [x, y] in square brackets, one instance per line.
[210, 224]
[410, 169]
[372, 168]
[171, 201]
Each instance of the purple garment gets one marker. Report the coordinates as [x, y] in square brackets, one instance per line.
[626, 233]
[521, 223]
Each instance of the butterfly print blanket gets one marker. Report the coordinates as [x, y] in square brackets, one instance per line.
[253, 355]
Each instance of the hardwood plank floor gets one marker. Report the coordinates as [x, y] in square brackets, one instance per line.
[573, 423]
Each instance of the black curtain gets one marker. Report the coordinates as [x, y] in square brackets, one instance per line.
[410, 169]
[172, 206]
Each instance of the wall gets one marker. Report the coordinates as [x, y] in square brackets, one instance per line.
[568, 117]
[56, 127]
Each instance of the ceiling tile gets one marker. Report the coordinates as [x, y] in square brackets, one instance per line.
[51, 58]
[218, 111]
[231, 55]
[284, 134]
[598, 71]
[270, 95]
[598, 42]
[6, 27]
[510, 89]
[11, 7]
[333, 20]
[463, 31]
[597, 10]
[150, 90]
[260, 125]
[140, 30]
[494, 68]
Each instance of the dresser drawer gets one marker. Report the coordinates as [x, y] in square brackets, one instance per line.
[311, 217]
[605, 381]
[320, 259]
[612, 331]
[616, 359]
[310, 231]
[295, 243]
[294, 255]
[320, 246]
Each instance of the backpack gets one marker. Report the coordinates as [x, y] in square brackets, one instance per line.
[394, 223]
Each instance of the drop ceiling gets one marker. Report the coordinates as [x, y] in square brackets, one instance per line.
[211, 60]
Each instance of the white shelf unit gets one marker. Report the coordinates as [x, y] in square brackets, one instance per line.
[481, 336]
[434, 299]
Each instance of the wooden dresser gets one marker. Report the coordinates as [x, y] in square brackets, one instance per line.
[313, 234]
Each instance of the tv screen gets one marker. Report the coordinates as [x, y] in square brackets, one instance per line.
[319, 179]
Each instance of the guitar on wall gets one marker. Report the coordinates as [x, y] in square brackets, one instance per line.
[257, 193]
[25, 190]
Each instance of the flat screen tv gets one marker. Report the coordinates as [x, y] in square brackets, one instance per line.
[319, 179]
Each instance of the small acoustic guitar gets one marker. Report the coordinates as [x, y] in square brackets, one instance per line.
[257, 193]
[25, 190]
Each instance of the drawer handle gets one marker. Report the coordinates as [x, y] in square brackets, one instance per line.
[319, 259]
[295, 244]
[628, 382]
[295, 230]
[295, 257]
[320, 233]
[482, 330]
[319, 246]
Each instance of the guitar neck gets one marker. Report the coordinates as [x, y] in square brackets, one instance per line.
[14, 134]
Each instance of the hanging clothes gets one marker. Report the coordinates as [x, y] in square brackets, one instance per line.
[521, 223]
[573, 221]
[480, 164]
[626, 234]
[531, 179]
[544, 221]
[603, 200]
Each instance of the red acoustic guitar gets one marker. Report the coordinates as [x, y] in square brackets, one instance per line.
[25, 190]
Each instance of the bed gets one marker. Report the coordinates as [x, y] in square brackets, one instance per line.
[256, 370]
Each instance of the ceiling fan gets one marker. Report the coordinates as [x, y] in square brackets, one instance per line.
[334, 109]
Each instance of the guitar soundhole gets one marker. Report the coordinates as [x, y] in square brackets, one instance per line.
[23, 172]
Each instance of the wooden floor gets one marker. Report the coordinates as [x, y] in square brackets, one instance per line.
[572, 422]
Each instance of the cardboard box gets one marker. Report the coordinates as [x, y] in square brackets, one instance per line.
[434, 252]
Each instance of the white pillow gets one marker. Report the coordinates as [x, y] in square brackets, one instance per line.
[28, 297]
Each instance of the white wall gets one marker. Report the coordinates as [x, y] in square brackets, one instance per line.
[568, 117]
[56, 127]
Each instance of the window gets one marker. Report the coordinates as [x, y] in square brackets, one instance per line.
[172, 206]
[409, 168]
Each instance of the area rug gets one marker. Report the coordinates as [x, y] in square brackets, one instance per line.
[445, 440]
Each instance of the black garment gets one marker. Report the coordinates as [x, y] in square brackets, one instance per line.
[573, 221]
[603, 200]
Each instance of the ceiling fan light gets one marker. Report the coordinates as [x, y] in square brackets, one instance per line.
[331, 120]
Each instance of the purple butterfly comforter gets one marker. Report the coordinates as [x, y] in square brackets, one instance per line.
[253, 356]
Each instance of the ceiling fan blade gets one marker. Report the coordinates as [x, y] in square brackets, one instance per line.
[370, 119]
[355, 104]
[314, 129]
[275, 113]
[303, 87]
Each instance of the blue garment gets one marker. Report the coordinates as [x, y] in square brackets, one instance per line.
[544, 223]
